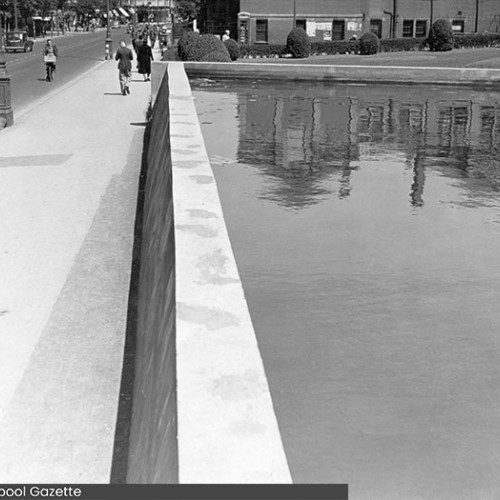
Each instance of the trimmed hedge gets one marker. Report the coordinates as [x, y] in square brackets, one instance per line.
[402, 44]
[233, 48]
[186, 44]
[353, 46]
[215, 56]
[208, 48]
[441, 36]
[208, 44]
[369, 44]
[475, 41]
[298, 43]
[262, 50]
[335, 47]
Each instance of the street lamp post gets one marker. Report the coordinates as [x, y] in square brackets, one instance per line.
[6, 113]
[108, 43]
[15, 16]
[476, 17]
[294, 13]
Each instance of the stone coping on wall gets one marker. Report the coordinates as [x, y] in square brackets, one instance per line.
[347, 73]
[227, 428]
[482, 77]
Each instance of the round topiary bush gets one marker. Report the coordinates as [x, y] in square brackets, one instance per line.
[186, 44]
[369, 44]
[195, 47]
[440, 37]
[233, 47]
[207, 44]
[298, 43]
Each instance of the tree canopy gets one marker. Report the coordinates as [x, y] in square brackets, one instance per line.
[187, 10]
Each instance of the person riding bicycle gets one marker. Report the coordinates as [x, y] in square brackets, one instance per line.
[50, 58]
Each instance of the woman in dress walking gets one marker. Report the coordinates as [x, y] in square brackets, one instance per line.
[144, 58]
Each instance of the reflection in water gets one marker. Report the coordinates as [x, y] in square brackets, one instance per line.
[365, 222]
[417, 187]
[300, 141]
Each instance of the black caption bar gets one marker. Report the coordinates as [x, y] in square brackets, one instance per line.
[175, 491]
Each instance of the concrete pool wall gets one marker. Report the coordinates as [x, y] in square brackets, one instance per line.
[202, 406]
[153, 433]
[484, 77]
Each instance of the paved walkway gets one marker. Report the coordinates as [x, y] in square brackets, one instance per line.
[69, 170]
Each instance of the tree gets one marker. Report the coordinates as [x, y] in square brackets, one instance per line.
[187, 10]
[88, 7]
[6, 11]
[45, 7]
[27, 8]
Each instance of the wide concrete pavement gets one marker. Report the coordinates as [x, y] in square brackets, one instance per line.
[69, 170]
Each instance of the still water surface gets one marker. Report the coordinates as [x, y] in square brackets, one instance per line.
[365, 222]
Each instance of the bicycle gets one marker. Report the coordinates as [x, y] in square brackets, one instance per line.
[50, 69]
[50, 58]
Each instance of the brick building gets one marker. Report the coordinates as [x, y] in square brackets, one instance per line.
[269, 21]
[156, 11]
[217, 16]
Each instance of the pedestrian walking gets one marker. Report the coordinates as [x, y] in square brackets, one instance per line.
[136, 43]
[124, 56]
[153, 35]
[226, 35]
[144, 57]
[50, 54]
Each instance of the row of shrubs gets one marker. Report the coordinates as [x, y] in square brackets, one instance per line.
[195, 47]
[386, 45]
[476, 41]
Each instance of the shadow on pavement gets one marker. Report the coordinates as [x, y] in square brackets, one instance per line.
[119, 466]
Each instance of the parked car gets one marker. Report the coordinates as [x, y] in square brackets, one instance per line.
[18, 40]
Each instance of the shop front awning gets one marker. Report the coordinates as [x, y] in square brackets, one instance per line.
[123, 12]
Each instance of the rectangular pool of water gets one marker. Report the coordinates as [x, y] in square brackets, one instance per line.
[365, 222]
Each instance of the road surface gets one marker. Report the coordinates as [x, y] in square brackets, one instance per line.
[78, 52]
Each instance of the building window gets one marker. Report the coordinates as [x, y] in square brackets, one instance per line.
[338, 30]
[421, 29]
[408, 28]
[261, 31]
[300, 23]
[376, 27]
[458, 25]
